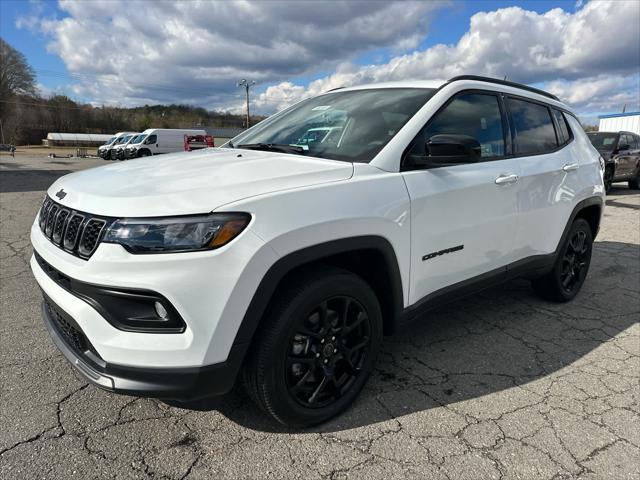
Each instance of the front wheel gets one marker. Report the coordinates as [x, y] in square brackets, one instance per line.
[571, 267]
[635, 183]
[608, 179]
[316, 348]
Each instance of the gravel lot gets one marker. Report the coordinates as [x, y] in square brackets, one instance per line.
[500, 385]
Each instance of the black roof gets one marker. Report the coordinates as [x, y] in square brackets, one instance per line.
[504, 82]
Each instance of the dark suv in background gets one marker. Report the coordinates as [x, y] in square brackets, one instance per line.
[621, 153]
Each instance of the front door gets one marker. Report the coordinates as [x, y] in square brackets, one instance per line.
[463, 217]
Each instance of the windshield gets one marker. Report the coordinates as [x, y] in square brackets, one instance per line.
[603, 140]
[124, 139]
[352, 126]
[110, 141]
[138, 139]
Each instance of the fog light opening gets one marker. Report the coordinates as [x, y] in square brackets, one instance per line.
[161, 311]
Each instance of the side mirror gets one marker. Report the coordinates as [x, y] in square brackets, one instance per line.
[452, 149]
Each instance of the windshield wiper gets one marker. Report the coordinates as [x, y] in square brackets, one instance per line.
[272, 147]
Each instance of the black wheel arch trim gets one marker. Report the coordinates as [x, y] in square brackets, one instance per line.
[314, 253]
[586, 203]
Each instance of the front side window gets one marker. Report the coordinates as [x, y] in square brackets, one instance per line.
[474, 115]
[352, 125]
[533, 127]
[151, 139]
[628, 140]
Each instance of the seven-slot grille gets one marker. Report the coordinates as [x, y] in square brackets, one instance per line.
[76, 232]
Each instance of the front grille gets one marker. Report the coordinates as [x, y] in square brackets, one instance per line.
[78, 233]
[69, 331]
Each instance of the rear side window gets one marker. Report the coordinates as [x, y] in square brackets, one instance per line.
[564, 132]
[533, 127]
[476, 115]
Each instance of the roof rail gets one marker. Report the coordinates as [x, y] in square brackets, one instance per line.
[504, 82]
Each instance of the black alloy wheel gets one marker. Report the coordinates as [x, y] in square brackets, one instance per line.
[315, 348]
[566, 278]
[327, 351]
[575, 261]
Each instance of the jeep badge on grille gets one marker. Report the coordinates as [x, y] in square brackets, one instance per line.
[61, 194]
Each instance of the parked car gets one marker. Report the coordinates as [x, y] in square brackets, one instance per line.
[104, 151]
[320, 135]
[621, 153]
[155, 141]
[117, 152]
[286, 266]
[112, 150]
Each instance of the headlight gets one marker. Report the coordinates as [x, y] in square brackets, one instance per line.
[177, 234]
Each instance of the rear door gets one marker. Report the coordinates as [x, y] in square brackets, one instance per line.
[463, 217]
[549, 164]
[626, 156]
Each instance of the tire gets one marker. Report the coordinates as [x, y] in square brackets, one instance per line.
[635, 183]
[608, 178]
[143, 153]
[571, 267]
[306, 323]
[113, 155]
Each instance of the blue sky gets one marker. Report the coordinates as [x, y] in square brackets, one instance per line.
[292, 49]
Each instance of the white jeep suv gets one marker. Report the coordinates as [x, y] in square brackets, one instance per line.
[171, 277]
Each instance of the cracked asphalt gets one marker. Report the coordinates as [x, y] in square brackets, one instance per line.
[501, 385]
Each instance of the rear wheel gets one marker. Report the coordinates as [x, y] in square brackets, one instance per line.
[316, 348]
[571, 267]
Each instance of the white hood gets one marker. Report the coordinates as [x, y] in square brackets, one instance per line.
[190, 182]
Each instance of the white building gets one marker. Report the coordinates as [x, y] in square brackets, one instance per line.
[616, 122]
[75, 139]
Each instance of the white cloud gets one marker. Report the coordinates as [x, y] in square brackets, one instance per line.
[592, 62]
[139, 51]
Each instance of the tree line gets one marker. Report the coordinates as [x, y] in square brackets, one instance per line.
[26, 116]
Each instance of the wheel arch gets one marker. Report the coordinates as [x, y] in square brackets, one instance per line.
[590, 209]
[371, 257]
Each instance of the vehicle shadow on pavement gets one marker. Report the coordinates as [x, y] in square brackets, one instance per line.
[28, 180]
[502, 340]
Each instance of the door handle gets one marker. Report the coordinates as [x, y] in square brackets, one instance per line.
[570, 166]
[504, 179]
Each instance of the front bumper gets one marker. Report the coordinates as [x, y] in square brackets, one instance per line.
[171, 383]
[210, 290]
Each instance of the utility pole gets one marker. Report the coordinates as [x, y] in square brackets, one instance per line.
[246, 84]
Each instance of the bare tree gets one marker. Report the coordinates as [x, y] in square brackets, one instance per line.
[16, 75]
[16, 79]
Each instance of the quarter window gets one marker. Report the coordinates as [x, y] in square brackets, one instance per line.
[564, 133]
[533, 127]
[476, 115]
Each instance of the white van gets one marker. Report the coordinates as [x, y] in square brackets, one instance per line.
[104, 150]
[154, 141]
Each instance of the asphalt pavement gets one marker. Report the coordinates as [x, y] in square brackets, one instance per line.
[501, 385]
